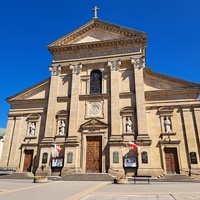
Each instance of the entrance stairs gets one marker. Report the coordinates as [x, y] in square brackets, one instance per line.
[16, 175]
[86, 177]
[176, 178]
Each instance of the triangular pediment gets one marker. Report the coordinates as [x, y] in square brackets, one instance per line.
[94, 124]
[155, 81]
[38, 91]
[97, 35]
[96, 30]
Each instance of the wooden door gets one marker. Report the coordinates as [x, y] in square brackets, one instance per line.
[94, 154]
[171, 159]
[28, 160]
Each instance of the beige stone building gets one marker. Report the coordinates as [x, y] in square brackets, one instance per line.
[100, 96]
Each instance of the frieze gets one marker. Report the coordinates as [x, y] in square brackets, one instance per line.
[69, 56]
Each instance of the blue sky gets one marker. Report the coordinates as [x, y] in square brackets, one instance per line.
[27, 27]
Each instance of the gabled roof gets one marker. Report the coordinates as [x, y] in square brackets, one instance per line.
[159, 81]
[39, 90]
[97, 31]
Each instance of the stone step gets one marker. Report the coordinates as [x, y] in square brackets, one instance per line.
[87, 177]
[16, 175]
[176, 178]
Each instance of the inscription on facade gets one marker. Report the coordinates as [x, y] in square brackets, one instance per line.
[136, 49]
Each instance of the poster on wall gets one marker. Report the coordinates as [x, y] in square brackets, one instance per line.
[57, 162]
[130, 162]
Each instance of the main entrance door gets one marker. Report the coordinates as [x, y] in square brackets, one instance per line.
[28, 160]
[94, 154]
[171, 159]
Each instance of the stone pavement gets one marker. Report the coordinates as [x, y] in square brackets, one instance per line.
[15, 189]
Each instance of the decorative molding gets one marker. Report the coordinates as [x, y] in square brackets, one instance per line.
[88, 51]
[94, 124]
[138, 62]
[114, 65]
[76, 68]
[94, 109]
[55, 70]
[94, 97]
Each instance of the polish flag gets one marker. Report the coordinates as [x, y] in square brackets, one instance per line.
[58, 149]
[132, 145]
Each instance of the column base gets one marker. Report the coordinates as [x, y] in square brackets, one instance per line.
[70, 170]
[149, 172]
[45, 172]
[118, 172]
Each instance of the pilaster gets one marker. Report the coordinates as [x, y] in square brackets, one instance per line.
[74, 103]
[8, 141]
[115, 117]
[139, 64]
[51, 110]
[14, 153]
[190, 135]
[115, 140]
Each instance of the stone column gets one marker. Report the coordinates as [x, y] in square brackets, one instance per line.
[115, 117]
[72, 142]
[115, 140]
[143, 138]
[51, 110]
[191, 138]
[5, 157]
[74, 103]
[139, 64]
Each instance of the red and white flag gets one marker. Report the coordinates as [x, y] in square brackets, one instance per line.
[58, 148]
[132, 145]
[56, 151]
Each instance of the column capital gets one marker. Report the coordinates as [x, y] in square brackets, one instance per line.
[55, 70]
[114, 65]
[75, 68]
[138, 62]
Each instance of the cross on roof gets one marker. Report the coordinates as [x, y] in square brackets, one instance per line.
[95, 10]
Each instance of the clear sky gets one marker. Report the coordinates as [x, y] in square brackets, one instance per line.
[27, 27]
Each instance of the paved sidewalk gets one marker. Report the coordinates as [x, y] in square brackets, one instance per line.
[93, 190]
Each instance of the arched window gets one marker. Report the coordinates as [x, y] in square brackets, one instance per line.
[95, 82]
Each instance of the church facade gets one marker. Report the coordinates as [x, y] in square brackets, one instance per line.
[104, 111]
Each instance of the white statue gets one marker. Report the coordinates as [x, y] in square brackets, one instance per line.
[128, 125]
[62, 128]
[167, 125]
[32, 129]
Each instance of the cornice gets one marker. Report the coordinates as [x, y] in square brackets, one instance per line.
[148, 72]
[185, 90]
[98, 45]
[28, 101]
[94, 96]
[173, 103]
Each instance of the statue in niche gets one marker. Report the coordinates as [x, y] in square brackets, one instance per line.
[167, 124]
[32, 127]
[62, 128]
[128, 125]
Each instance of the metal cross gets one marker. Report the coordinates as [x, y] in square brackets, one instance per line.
[95, 10]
